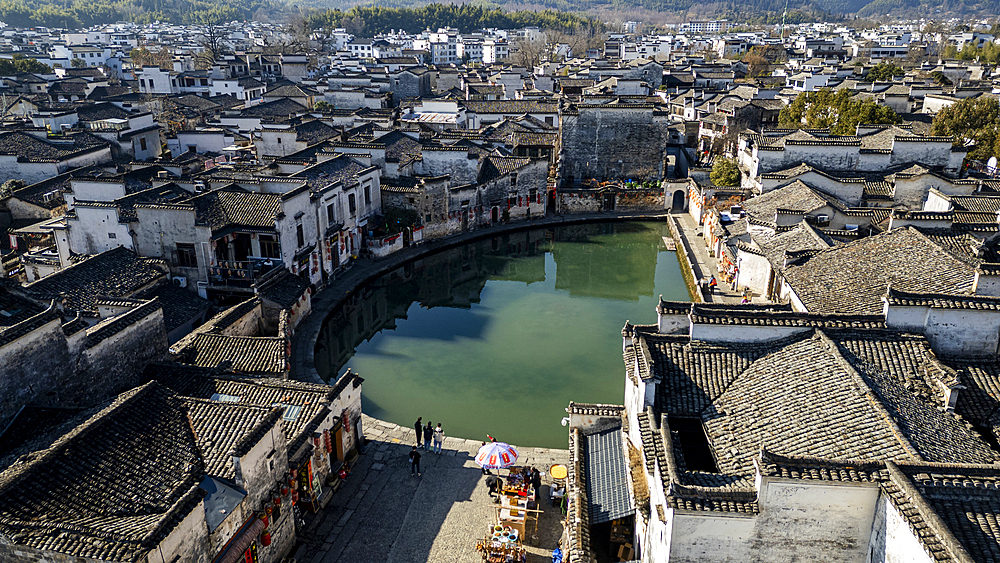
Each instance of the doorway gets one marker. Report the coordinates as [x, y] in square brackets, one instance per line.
[678, 201]
[609, 202]
[495, 215]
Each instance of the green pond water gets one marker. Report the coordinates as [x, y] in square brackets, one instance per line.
[498, 336]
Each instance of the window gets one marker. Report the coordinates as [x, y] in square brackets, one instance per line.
[142, 143]
[368, 195]
[185, 256]
[279, 140]
[300, 235]
[269, 247]
[513, 179]
[331, 216]
[694, 444]
[112, 235]
[352, 204]
[427, 218]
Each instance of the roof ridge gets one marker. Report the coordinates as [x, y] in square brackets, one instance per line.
[927, 513]
[15, 472]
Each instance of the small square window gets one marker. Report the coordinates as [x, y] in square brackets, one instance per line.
[112, 235]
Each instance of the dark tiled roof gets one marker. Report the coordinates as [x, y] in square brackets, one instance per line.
[303, 401]
[15, 309]
[259, 355]
[854, 277]
[280, 108]
[31, 149]
[284, 290]
[607, 485]
[116, 273]
[235, 207]
[179, 304]
[98, 112]
[96, 492]
[342, 169]
[510, 106]
[314, 131]
[494, 167]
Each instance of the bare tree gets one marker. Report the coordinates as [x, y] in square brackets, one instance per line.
[213, 44]
[529, 53]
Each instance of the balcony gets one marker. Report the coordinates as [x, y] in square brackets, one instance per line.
[239, 276]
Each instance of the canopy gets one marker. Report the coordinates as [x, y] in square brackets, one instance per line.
[496, 455]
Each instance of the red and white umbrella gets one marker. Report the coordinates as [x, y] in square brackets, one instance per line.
[496, 455]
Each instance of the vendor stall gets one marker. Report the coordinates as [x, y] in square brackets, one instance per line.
[502, 544]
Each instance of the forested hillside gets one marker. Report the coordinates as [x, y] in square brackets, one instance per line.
[417, 15]
[414, 20]
[83, 13]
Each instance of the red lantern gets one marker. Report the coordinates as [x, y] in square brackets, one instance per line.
[265, 539]
[284, 491]
[295, 496]
[265, 519]
[291, 481]
[268, 510]
[276, 500]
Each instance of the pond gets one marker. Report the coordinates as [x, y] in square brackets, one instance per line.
[498, 336]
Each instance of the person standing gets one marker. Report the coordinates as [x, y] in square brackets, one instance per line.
[414, 462]
[438, 438]
[486, 471]
[712, 283]
[428, 434]
[536, 482]
[495, 485]
[419, 427]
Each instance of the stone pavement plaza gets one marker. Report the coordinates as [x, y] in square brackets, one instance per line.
[382, 514]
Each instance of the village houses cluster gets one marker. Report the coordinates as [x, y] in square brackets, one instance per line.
[169, 220]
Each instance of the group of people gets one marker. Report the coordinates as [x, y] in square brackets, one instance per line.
[425, 433]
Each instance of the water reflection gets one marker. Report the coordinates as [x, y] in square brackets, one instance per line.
[516, 327]
[452, 278]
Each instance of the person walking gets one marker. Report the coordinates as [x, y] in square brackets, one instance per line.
[428, 434]
[414, 462]
[419, 427]
[438, 438]
[712, 283]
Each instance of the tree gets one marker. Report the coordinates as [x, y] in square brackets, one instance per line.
[144, 57]
[972, 121]
[838, 111]
[78, 63]
[757, 65]
[528, 53]
[10, 186]
[213, 44]
[20, 64]
[725, 173]
[883, 72]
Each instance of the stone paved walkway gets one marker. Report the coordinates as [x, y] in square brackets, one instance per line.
[708, 265]
[382, 514]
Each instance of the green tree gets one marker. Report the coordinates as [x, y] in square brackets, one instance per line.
[725, 173]
[20, 64]
[883, 72]
[10, 186]
[838, 111]
[78, 63]
[972, 121]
